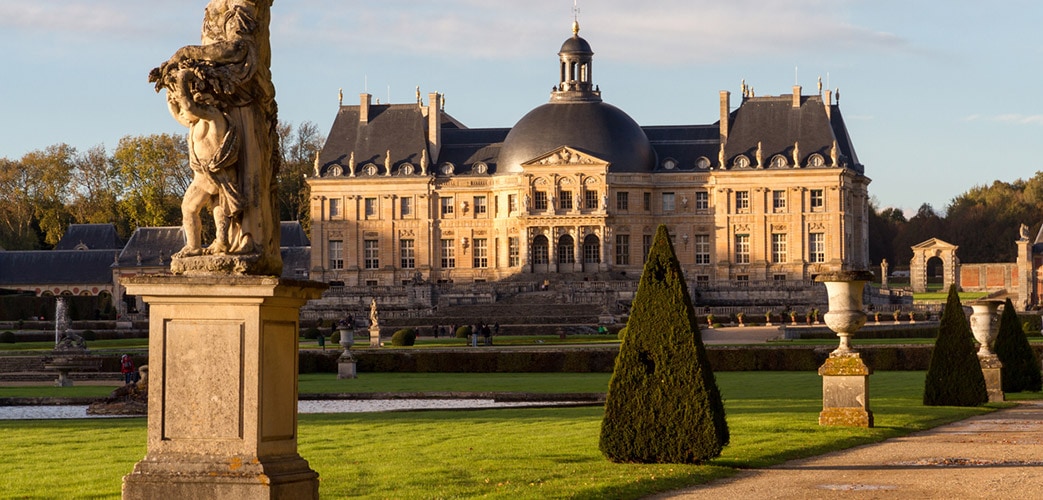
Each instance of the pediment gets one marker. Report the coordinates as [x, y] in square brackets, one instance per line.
[934, 243]
[564, 155]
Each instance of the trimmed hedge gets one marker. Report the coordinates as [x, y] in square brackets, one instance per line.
[923, 332]
[954, 377]
[8, 338]
[463, 332]
[1020, 365]
[403, 337]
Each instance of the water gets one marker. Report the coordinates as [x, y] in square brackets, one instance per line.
[316, 406]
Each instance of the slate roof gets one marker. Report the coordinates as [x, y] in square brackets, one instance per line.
[400, 128]
[295, 262]
[42, 267]
[291, 234]
[154, 245]
[777, 125]
[91, 236]
[771, 121]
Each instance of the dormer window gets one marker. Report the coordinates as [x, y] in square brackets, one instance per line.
[481, 168]
[448, 168]
[741, 161]
[779, 161]
[669, 164]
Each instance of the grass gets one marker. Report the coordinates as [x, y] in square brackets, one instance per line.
[96, 346]
[511, 453]
[941, 295]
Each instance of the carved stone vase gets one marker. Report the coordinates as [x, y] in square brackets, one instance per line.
[985, 326]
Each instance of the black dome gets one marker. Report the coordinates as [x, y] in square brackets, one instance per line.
[576, 45]
[593, 127]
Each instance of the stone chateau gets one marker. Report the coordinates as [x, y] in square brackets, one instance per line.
[772, 193]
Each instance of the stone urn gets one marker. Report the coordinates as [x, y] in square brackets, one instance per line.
[347, 336]
[845, 316]
[985, 324]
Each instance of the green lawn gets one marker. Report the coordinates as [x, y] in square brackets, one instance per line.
[515, 453]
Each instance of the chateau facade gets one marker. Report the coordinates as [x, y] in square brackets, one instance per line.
[404, 193]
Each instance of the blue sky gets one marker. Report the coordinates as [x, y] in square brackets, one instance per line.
[938, 96]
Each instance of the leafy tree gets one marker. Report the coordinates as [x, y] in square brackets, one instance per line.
[95, 192]
[155, 174]
[954, 377]
[663, 404]
[298, 148]
[1020, 364]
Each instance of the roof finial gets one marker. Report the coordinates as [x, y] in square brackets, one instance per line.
[575, 17]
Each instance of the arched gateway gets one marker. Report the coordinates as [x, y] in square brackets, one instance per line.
[924, 252]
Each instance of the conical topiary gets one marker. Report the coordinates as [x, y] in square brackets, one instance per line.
[954, 377]
[663, 404]
[1020, 364]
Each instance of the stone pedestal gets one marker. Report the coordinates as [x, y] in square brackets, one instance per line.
[845, 391]
[374, 336]
[222, 412]
[992, 369]
[346, 366]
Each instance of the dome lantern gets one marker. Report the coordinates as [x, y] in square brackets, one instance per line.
[576, 81]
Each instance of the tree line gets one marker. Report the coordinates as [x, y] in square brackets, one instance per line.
[984, 222]
[139, 184]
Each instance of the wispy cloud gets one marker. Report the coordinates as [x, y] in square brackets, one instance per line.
[666, 31]
[1012, 118]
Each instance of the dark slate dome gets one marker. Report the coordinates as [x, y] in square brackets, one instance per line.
[576, 45]
[593, 127]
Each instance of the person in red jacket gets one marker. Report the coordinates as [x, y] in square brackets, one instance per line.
[127, 369]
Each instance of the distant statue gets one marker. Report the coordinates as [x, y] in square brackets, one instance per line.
[1024, 231]
[423, 161]
[374, 320]
[796, 154]
[760, 155]
[720, 157]
[222, 91]
[387, 163]
[834, 154]
[351, 164]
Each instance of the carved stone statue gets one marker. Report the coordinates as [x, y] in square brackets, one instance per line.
[1024, 232]
[222, 91]
[374, 319]
[760, 155]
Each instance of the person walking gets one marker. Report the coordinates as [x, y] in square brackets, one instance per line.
[127, 369]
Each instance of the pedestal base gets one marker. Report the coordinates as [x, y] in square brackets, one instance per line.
[346, 366]
[992, 369]
[845, 392]
[222, 408]
[194, 476]
[374, 336]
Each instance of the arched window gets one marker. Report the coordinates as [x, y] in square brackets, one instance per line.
[540, 250]
[591, 249]
[566, 250]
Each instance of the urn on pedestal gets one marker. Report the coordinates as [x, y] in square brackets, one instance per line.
[845, 377]
[985, 326]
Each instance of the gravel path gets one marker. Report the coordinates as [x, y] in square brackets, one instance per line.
[999, 455]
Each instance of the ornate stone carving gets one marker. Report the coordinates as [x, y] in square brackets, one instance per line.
[222, 91]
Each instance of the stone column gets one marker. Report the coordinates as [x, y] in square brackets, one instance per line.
[985, 325]
[845, 377]
[222, 412]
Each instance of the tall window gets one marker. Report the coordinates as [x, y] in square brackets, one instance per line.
[566, 250]
[513, 251]
[481, 253]
[622, 249]
[371, 254]
[702, 248]
[778, 200]
[742, 249]
[566, 200]
[591, 199]
[778, 248]
[540, 250]
[646, 246]
[647, 198]
[408, 254]
[818, 200]
[446, 206]
[591, 250]
[481, 206]
[817, 247]
[539, 201]
[702, 201]
[668, 202]
[336, 252]
[448, 252]
[512, 203]
[742, 202]
[334, 207]
[371, 208]
[622, 201]
[406, 205]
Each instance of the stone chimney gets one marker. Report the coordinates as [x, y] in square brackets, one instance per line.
[829, 104]
[364, 107]
[434, 125]
[796, 96]
[726, 105]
